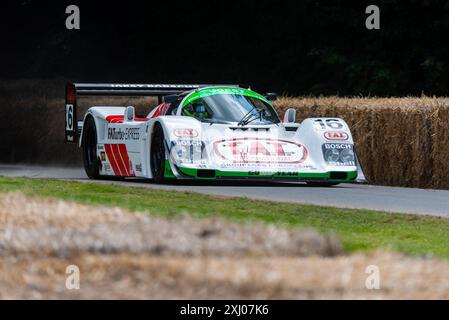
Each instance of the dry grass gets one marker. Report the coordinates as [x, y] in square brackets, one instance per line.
[58, 228]
[124, 276]
[196, 259]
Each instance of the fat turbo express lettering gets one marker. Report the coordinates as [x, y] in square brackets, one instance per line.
[126, 134]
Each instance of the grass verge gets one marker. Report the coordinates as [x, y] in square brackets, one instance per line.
[357, 229]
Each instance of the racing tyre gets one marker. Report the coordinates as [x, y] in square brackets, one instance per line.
[157, 156]
[322, 184]
[90, 158]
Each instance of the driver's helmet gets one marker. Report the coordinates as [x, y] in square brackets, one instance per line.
[196, 109]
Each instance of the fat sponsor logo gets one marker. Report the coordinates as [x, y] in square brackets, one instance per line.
[259, 151]
[123, 134]
[185, 133]
[336, 135]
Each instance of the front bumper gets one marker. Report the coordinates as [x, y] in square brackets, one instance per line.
[210, 174]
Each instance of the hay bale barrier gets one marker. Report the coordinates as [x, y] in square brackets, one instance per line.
[400, 141]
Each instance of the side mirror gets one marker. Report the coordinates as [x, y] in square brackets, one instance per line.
[271, 96]
[290, 116]
[130, 113]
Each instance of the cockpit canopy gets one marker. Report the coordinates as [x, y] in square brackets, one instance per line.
[229, 105]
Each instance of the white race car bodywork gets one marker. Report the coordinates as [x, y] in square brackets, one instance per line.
[318, 149]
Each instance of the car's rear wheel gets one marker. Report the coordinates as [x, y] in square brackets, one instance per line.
[157, 156]
[322, 184]
[89, 146]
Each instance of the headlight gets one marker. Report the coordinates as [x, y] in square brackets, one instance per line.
[347, 155]
[332, 155]
[182, 152]
[198, 149]
[187, 151]
[339, 154]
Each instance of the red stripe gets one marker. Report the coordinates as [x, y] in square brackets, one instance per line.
[125, 158]
[112, 159]
[157, 112]
[118, 159]
[141, 119]
[112, 118]
[161, 109]
[119, 119]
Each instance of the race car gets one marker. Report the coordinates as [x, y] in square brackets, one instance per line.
[207, 132]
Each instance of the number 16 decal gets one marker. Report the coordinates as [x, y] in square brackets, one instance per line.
[331, 123]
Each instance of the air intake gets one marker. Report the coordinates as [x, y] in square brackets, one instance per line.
[205, 173]
[249, 128]
[338, 175]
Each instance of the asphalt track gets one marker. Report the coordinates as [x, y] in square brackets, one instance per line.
[391, 199]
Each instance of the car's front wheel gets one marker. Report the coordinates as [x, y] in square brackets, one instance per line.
[157, 156]
[89, 147]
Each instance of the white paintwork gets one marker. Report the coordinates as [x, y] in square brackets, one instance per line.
[271, 139]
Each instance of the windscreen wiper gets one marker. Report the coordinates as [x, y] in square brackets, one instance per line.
[247, 117]
[242, 121]
[211, 122]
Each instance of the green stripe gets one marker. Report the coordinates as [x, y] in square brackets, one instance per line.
[223, 90]
[245, 174]
[167, 170]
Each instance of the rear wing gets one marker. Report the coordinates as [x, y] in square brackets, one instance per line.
[73, 125]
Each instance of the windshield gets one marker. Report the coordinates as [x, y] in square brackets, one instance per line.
[230, 107]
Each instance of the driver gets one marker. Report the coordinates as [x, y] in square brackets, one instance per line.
[196, 109]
